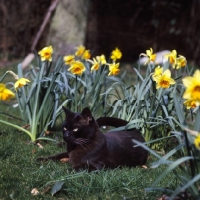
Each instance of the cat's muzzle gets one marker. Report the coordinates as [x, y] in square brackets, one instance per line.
[66, 136]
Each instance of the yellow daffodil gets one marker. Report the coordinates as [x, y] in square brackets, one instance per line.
[77, 68]
[164, 80]
[157, 72]
[191, 103]
[21, 82]
[114, 69]
[197, 142]
[171, 57]
[176, 62]
[80, 50]
[95, 64]
[116, 54]
[68, 59]
[46, 53]
[5, 94]
[86, 55]
[150, 55]
[102, 59]
[180, 62]
[192, 85]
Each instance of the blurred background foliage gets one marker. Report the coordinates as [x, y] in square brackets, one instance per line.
[132, 25]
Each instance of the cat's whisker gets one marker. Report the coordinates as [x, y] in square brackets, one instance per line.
[85, 143]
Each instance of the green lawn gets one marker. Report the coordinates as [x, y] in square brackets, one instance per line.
[20, 172]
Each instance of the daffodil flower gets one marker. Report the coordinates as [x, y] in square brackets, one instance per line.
[95, 64]
[172, 57]
[102, 59]
[77, 68]
[180, 62]
[46, 53]
[157, 72]
[86, 55]
[20, 83]
[192, 85]
[114, 69]
[5, 94]
[191, 103]
[116, 54]
[150, 55]
[68, 59]
[80, 50]
[197, 142]
[164, 80]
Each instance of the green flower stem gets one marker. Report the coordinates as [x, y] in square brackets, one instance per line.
[76, 96]
[34, 123]
[46, 98]
[148, 136]
[154, 98]
[192, 167]
[1, 79]
[19, 128]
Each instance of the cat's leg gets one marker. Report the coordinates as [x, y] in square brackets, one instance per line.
[55, 157]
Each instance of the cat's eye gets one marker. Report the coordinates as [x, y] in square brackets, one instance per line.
[64, 129]
[76, 129]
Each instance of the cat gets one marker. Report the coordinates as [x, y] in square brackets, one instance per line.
[88, 148]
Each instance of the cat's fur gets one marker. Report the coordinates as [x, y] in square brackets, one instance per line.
[88, 147]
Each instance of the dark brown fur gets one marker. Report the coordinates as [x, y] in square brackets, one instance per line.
[88, 147]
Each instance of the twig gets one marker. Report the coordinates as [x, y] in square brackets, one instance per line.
[31, 56]
[46, 19]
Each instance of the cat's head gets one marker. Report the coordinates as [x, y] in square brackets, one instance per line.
[78, 127]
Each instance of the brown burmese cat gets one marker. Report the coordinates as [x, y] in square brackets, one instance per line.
[88, 147]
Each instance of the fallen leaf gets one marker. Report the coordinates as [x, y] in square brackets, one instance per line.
[46, 190]
[26, 126]
[149, 158]
[39, 145]
[144, 166]
[63, 160]
[33, 151]
[48, 132]
[34, 191]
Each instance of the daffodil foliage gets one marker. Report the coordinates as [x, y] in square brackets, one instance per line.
[164, 104]
[72, 80]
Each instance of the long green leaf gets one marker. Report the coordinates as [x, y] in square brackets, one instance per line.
[189, 184]
[171, 167]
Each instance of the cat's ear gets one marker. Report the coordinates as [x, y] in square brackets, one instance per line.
[86, 113]
[68, 113]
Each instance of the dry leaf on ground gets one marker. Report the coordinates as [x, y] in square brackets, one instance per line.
[39, 145]
[34, 191]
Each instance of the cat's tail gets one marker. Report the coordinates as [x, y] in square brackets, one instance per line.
[111, 121]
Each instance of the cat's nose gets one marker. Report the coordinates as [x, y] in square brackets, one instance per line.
[66, 136]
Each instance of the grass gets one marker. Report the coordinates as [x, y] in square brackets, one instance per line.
[20, 172]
